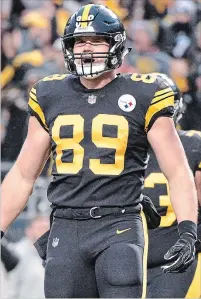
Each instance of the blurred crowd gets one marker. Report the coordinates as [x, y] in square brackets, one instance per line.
[165, 36]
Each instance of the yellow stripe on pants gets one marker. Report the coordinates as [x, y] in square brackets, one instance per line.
[145, 254]
[194, 290]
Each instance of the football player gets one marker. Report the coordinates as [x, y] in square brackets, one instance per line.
[172, 285]
[98, 126]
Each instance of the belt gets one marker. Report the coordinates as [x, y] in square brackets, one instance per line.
[94, 212]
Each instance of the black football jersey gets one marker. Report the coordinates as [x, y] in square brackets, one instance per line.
[99, 136]
[156, 185]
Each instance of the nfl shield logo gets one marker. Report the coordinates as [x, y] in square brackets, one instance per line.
[91, 99]
[55, 242]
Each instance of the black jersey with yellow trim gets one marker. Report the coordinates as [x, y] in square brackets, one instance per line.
[99, 136]
[156, 187]
[158, 97]
[191, 141]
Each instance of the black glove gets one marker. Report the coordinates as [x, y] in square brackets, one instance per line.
[9, 259]
[182, 254]
[41, 246]
[2, 234]
[151, 214]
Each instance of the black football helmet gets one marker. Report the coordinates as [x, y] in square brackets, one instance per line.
[94, 20]
[179, 106]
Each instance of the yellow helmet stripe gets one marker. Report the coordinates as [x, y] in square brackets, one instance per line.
[85, 15]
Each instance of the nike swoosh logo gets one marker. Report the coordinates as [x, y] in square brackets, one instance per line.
[122, 231]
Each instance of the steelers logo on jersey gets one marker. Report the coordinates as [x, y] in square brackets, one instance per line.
[127, 102]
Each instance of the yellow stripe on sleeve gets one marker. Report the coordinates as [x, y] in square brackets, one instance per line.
[158, 98]
[199, 166]
[145, 254]
[194, 290]
[36, 108]
[33, 96]
[153, 109]
[85, 15]
[160, 92]
[33, 90]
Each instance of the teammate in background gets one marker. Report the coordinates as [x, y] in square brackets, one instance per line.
[98, 126]
[172, 285]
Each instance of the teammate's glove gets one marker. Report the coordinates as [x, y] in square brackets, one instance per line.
[152, 216]
[2, 234]
[182, 254]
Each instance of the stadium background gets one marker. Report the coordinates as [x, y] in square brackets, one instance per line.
[165, 36]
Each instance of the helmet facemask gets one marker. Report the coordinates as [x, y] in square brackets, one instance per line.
[85, 63]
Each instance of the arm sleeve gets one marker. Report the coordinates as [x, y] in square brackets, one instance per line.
[162, 103]
[34, 107]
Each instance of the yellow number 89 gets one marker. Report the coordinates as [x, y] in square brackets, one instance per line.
[119, 143]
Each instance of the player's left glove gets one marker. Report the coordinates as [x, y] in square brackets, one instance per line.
[182, 254]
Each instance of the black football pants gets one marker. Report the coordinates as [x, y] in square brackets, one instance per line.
[95, 258]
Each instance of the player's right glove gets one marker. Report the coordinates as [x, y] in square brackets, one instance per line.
[182, 254]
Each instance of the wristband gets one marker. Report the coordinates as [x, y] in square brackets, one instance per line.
[2, 234]
[187, 226]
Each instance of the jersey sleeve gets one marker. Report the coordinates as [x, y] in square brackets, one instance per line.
[196, 135]
[191, 141]
[161, 104]
[35, 107]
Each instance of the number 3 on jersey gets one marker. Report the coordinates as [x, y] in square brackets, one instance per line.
[119, 143]
[164, 200]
